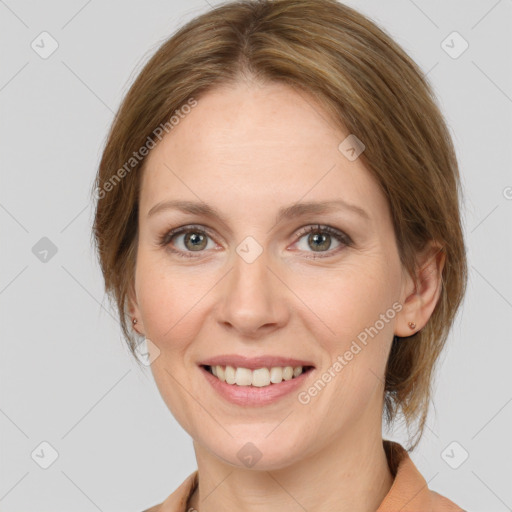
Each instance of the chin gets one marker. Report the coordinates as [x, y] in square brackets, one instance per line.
[260, 453]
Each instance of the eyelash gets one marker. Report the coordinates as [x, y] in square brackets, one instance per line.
[165, 238]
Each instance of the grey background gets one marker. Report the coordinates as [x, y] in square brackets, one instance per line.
[67, 377]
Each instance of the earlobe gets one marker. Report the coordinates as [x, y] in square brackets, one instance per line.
[133, 310]
[421, 299]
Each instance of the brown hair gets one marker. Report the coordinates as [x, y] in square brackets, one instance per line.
[368, 84]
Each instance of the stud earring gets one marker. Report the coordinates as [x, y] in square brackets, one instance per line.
[134, 321]
[412, 325]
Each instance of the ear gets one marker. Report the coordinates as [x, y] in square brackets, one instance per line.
[419, 302]
[134, 311]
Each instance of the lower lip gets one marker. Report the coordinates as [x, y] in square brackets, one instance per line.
[253, 395]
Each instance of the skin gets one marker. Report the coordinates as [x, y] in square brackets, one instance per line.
[248, 150]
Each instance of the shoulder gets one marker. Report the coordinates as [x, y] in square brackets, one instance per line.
[409, 491]
[155, 508]
[177, 501]
[443, 504]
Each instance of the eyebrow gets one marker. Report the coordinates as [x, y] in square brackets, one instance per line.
[288, 212]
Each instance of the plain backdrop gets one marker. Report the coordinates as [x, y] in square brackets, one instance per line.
[67, 378]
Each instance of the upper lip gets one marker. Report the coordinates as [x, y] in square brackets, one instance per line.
[252, 363]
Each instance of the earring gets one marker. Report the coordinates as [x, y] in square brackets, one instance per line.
[412, 325]
[134, 321]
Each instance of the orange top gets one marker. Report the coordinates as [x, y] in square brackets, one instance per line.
[409, 492]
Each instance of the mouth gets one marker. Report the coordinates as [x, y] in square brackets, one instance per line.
[258, 377]
[255, 381]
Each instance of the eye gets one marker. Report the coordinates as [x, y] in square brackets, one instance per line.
[320, 238]
[189, 239]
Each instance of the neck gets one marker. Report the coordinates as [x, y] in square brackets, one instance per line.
[348, 474]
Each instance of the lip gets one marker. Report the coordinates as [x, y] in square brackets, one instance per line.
[252, 395]
[253, 363]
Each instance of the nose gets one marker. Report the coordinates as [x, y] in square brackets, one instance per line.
[252, 300]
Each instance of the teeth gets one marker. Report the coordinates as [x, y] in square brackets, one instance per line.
[230, 375]
[259, 378]
[276, 375]
[243, 377]
[287, 373]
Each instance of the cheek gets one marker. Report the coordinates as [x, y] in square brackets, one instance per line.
[169, 301]
[356, 303]
[350, 298]
[358, 350]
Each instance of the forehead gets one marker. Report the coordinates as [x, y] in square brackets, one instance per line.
[256, 145]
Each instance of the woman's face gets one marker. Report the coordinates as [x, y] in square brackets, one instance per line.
[254, 282]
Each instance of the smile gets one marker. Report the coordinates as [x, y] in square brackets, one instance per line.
[256, 388]
[260, 377]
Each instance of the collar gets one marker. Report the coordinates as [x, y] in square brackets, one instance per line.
[409, 491]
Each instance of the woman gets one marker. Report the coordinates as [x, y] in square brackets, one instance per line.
[278, 222]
